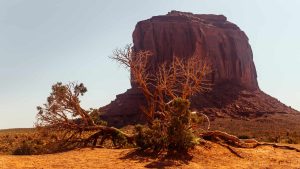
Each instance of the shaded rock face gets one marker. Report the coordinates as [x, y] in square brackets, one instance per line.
[220, 43]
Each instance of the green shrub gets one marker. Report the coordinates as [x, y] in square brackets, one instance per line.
[173, 133]
[180, 135]
[153, 138]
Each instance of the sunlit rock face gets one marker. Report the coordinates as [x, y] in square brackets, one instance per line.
[217, 41]
[212, 37]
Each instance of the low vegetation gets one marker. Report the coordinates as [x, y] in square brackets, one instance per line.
[176, 135]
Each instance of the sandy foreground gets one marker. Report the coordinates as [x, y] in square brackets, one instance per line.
[213, 157]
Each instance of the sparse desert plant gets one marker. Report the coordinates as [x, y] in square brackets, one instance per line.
[175, 135]
[26, 148]
[153, 138]
[181, 136]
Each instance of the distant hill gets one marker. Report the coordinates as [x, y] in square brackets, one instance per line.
[17, 130]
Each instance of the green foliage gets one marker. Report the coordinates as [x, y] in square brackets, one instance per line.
[173, 133]
[181, 137]
[154, 138]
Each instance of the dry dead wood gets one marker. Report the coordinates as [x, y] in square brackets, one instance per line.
[111, 133]
[230, 141]
[165, 81]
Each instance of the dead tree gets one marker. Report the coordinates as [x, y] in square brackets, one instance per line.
[63, 113]
[162, 83]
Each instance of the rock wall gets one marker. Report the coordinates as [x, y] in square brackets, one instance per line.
[222, 44]
[212, 37]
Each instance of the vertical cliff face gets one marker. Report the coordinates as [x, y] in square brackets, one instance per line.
[212, 37]
[217, 41]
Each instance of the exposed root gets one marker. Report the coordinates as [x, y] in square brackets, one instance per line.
[279, 146]
[118, 137]
[232, 140]
[227, 140]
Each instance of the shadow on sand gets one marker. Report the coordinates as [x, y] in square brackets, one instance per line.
[156, 160]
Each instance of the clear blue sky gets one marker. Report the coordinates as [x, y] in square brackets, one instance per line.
[45, 41]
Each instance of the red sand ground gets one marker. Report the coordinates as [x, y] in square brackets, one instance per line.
[214, 157]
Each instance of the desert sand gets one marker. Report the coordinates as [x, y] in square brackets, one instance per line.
[215, 156]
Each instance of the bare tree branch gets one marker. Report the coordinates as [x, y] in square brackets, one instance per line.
[169, 80]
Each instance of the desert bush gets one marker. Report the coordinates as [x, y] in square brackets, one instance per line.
[26, 148]
[180, 135]
[174, 133]
[154, 138]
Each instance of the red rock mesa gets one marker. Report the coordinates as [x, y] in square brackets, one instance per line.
[221, 43]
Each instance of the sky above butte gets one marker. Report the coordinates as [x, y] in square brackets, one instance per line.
[43, 42]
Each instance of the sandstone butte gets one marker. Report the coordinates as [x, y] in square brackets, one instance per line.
[224, 45]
